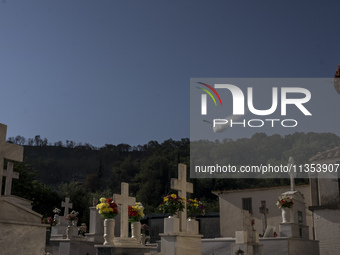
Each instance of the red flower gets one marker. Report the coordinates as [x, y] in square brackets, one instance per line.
[275, 235]
[109, 200]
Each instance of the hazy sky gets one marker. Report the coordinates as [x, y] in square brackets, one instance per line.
[107, 71]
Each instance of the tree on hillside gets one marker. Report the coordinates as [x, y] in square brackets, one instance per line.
[44, 198]
[79, 197]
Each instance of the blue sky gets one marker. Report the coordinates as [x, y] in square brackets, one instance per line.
[106, 71]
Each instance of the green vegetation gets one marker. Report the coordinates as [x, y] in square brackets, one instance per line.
[81, 171]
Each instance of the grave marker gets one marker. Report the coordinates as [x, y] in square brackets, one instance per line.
[291, 173]
[264, 210]
[124, 201]
[9, 151]
[183, 187]
[67, 205]
[9, 176]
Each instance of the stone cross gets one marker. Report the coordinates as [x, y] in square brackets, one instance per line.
[9, 151]
[264, 210]
[9, 176]
[291, 172]
[124, 201]
[67, 205]
[183, 187]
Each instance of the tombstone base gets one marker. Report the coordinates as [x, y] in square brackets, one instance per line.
[192, 226]
[181, 244]
[90, 237]
[243, 237]
[171, 225]
[248, 249]
[126, 242]
[110, 250]
[294, 230]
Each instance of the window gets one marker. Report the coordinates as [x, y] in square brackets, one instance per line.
[300, 217]
[247, 204]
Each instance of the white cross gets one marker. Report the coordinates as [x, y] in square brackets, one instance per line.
[124, 201]
[183, 187]
[9, 176]
[9, 151]
[292, 173]
[67, 205]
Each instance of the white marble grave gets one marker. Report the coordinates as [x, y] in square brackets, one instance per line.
[123, 244]
[59, 231]
[124, 200]
[18, 223]
[181, 238]
[247, 240]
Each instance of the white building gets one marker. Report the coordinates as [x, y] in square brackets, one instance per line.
[232, 202]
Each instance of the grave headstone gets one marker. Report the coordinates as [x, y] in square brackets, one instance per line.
[9, 174]
[297, 225]
[264, 210]
[124, 200]
[183, 187]
[9, 151]
[20, 227]
[59, 231]
[247, 240]
[96, 227]
[67, 205]
[183, 241]
[123, 244]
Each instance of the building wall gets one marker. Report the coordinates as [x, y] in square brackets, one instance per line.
[231, 207]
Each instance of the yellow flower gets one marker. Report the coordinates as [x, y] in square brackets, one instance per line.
[102, 200]
[165, 199]
[173, 195]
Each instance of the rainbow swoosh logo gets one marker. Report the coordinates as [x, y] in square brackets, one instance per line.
[209, 93]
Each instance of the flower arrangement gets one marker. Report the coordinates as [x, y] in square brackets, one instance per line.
[195, 207]
[72, 217]
[136, 212]
[47, 220]
[107, 208]
[253, 224]
[285, 201]
[172, 204]
[82, 229]
[56, 212]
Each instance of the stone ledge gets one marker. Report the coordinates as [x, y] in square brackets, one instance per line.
[321, 207]
[24, 223]
[181, 234]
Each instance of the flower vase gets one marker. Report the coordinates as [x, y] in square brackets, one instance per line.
[136, 228]
[171, 225]
[68, 232]
[285, 211]
[192, 226]
[109, 231]
[56, 219]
